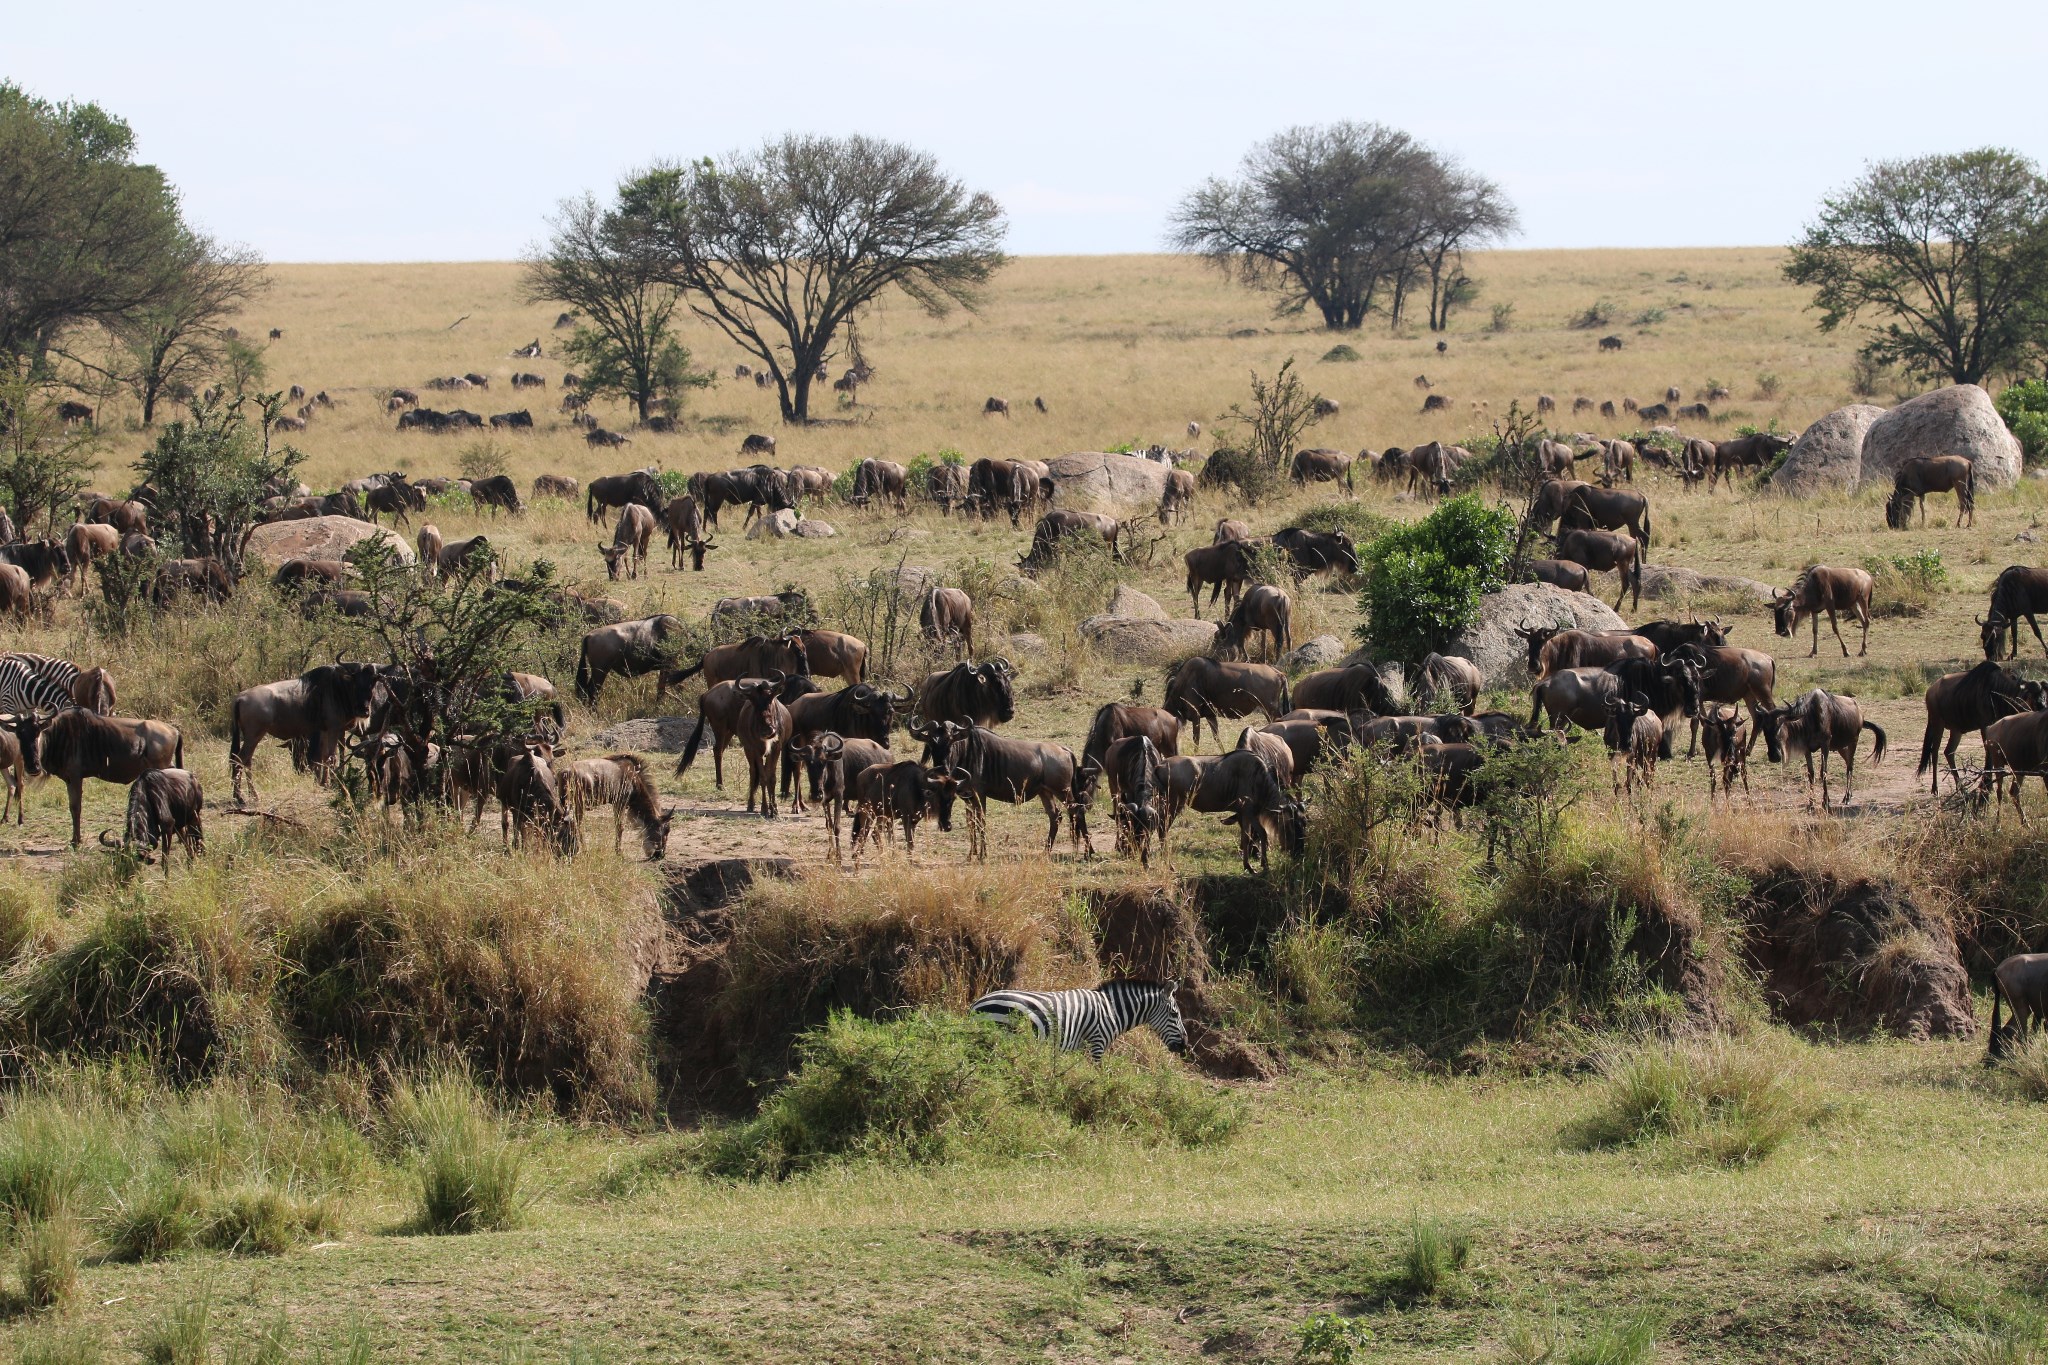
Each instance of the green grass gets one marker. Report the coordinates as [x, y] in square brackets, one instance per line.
[1726, 1101]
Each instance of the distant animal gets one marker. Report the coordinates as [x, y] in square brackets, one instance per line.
[1090, 1020]
[882, 480]
[1825, 723]
[946, 485]
[1051, 537]
[521, 420]
[947, 616]
[1314, 552]
[1436, 402]
[1654, 412]
[1223, 568]
[994, 406]
[556, 486]
[1745, 452]
[84, 543]
[430, 543]
[497, 492]
[396, 497]
[1832, 590]
[1924, 474]
[1178, 497]
[1194, 431]
[1230, 528]
[459, 555]
[205, 578]
[757, 444]
[1327, 407]
[683, 520]
[70, 412]
[165, 806]
[1545, 403]
[1323, 465]
[1610, 343]
[609, 440]
[1695, 412]
[757, 656]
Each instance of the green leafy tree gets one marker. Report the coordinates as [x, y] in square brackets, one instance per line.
[2025, 410]
[783, 247]
[1423, 582]
[173, 344]
[212, 471]
[1951, 254]
[44, 464]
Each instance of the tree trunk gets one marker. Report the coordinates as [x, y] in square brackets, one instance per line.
[148, 404]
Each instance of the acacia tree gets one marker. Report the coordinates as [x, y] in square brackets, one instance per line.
[782, 247]
[1461, 212]
[1951, 251]
[171, 344]
[600, 263]
[1337, 218]
[44, 463]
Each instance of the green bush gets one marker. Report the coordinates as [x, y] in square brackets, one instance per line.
[1906, 585]
[1597, 314]
[1729, 1103]
[917, 469]
[1334, 1338]
[1340, 354]
[1423, 582]
[1355, 519]
[2024, 407]
[674, 483]
[932, 1087]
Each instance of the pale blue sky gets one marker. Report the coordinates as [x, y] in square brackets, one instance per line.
[446, 131]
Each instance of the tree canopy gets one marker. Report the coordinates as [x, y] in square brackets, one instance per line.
[1343, 219]
[781, 248]
[1949, 252]
[180, 339]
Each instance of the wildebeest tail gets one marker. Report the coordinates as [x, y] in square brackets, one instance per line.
[1286, 696]
[1877, 754]
[1996, 1047]
[1646, 526]
[1929, 745]
[583, 672]
[690, 749]
[178, 754]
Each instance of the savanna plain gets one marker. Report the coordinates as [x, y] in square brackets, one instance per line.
[363, 1086]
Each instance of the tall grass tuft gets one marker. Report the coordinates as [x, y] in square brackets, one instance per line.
[1730, 1103]
[50, 1150]
[49, 1262]
[1631, 1341]
[1433, 1262]
[472, 1176]
[62, 1344]
[183, 1335]
[2024, 1070]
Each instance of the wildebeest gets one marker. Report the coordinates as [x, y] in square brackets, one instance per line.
[1601, 551]
[824, 756]
[965, 694]
[1559, 573]
[619, 781]
[607, 440]
[1554, 458]
[880, 479]
[757, 656]
[994, 406]
[1746, 677]
[2021, 983]
[1610, 343]
[430, 547]
[1607, 509]
[314, 709]
[84, 543]
[2019, 592]
[44, 561]
[856, 711]
[1409, 732]
[720, 711]
[683, 520]
[1582, 696]
[556, 486]
[1265, 609]
[1445, 681]
[1824, 589]
[1668, 636]
[1745, 452]
[522, 420]
[294, 574]
[1177, 499]
[1960, 703]
[888, 794]
[1323, 465]
[1654, 412]
[458, 556]
[396, 497]
[1201, 689]
[1116, 720]
[621, 490]
[1724, 734]
[986, 767]
[1240, 786]
[947, 616]
[629, 542]
[1634, 737]
[789, 607]
[764, 727]
[1825, 723]
[1229, 528]
[757, 444]
[1349, 690]
[17, 597]
[2017, 748]
[1617, 461]
[1436, 402]
[1553, 496]
[1552, 649]
[497, 492]
[127, 516]
[1316, 552]
[165, 806]
[1924, 474]
[1222, 567]
[1137, 780]
[93, 689]
[1670, 687]
[1431, 465]
[206, 578]
[1695, 412]
[75, 744]
[1050, 536]
[629, 648]
[946, 485]
[530, 798]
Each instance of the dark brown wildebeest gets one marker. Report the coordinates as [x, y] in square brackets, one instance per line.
[1695, 412]
[456, 556]
[93, 689]
[1436, 402]
[1559, 573]
[1201, 689]
[1223, 568]
[757, 444]
[1668, 686]
[1265, 609]
[1924, 474]
[498, 492]
[966, 694]
[1004, 484]
[84, 543]
[1430, 465]
[1610, 343]
[1305, 737]
[606, 440]
[530, 798]
[719, 712]
[1553, 496]
[208, 579]
[1582, 696]
[887, 794]
[1178, 498]
[1551, 649]
[1746, 677]
[763, 729]
[44, 561]
[859, 711]
[1391, 466]
[757, 656]
[521, 420]
[2015, 747]
[947, 615]
[1314, 552]
[1323, 465]
[2019, 592]
[1668, 636]
[946, 485]
[1229, 528]
[1607, 409]
[17, 597]
[619, 781]
[1960, 703]
[1347, 690]
[527, 380]
[556, 486]
[75, 744]
[128, 516]
[684, 521]
[1745, 452]
[1602, 551]
[1724, 733]
[994, 406]
[986, 767]
[1447, 681]
[1825, 723]
[831, 766]
[629, 648]
[396, 497]
[71, 412]
[834, 654]
[1633, 735]
[165, 806]
[1607, 509]
[1241, 787]
[295, 574]
[1582, 404]
[1823, 589]
[314, 710]
[882, 480]
[621, 490]
[2021, 983]
[1137, 783]
[1654, 412]
[1049, 537]
[1545, 403]
[1410, 732]
[1114, 721]
[629, 542]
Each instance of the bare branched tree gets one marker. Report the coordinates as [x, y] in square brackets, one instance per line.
[172, 344]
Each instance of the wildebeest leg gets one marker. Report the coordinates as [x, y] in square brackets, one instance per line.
[618, 827]
[1835, 625]
[1863, 647]
[1848, 771]
[2037, 636]
[76, 790]
[718, 766]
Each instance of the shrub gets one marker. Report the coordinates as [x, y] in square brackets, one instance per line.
[1256, 479]
[1767, 385]
[918, 468]
[1316, 966]
[1355, 519]
[1732, 1104]
[1503, 318]
[484, 459]
[164, 1215]
[932, 1087]
[1649, 317]
[2024, 407]
[1340, 354]
[1906, 585]
[1423, 582]
[1866, 377]
[470, 1174]
[1333, 1337]
[1597, 314]
[674, 483]
[49, 1263]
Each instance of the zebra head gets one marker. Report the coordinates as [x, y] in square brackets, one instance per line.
[1163, 1017]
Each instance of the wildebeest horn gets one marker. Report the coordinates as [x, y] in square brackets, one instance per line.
[860, 691]
[106, 840]
[1008, 669]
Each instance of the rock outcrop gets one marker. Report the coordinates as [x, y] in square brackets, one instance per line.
[1122, 485]
[1828, 455]
[1502, 655]
[1142, 640]
[1958, 420]
[320, 538]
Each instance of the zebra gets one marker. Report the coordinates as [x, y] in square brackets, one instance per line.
[34, 682]
[1092, 1019]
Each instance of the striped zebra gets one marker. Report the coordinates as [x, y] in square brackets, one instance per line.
[1093, 1019]
[34, 682]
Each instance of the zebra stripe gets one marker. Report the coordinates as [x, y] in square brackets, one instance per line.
[1093, 1019]
[25, 686]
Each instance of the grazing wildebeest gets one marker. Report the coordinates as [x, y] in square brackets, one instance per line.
[497, 492]
[684, 521]
[1601, 551]
[1430, 465]
[527, 380]
[1610, 343]
[1607, 509]
[619, 781]
[883, 479]
[1724, 734]
[457, 556]
[607, 440]
[1695, 412]
[757, 444]
[1054, 529]
[629, 542]
[2021, 984]
[790, 605]
[1634, 737]
[1924, 474]
[295, 574]
[1201, 689]
[1409, 732]
[1265, 609]
[757, 656]
[1555, 459]
[1823, 589]
[1582, 696]
[75, 744]
[1552, 649]
[1745, 452]
[208, 579]
[1617, 461]
[1559, 573]
[1116, 720]
[165, 806]
[966, 694]
[947, 615]
[1349, 690]
[530, 797]
[1654, 412]
[629, 648]
[1137, 781]
[994, 406]
[1825, 723]
[127, 516]
[621, 490]
[810, 481]
[2019, 592]
[521, 420]
[2015, 747]
[1178, 497]
[1436, 402]
[1960, 703]
[1445, 681]
[1240, 786]
[986, 767]
[556, 486]
[946, 485]
[1553, 496]
[1314, 552]
[396, 497]
[1323, 465]
[1222, 567]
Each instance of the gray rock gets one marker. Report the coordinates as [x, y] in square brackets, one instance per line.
[774, 526]
[1023, 645]
[320, 538]
[1958, 420]
[1321, 652]
[1137, 640]
[1828, 455]
[1502, 655]
[810, 528]
[647, 735]
[1666, 582]
[1128, 601]
[1118, 484]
